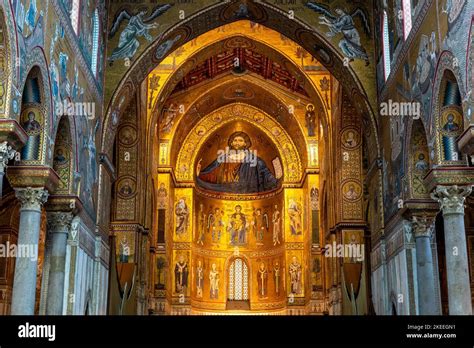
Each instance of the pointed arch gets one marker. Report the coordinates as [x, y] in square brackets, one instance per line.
[33, 118]
[449, 123]
[64, 156]
[418, 160]
[176, 36]
[442, 99]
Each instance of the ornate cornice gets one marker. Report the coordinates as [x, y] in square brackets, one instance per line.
[358, 224]
[451, 198]
[419, 208]
[226, 253]
[64, 203]
[448, 176]
[240, 197]
[126, 227]
[412, 206]
[31, 198]
[33, 176]
[13, 133]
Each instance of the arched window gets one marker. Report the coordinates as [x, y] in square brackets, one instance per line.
[95, 41]
[386, 45]
[238, 281]
[75, 15]
[406, 5]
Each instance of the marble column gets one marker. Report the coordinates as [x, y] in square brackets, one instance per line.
[59, 224]
[451, 200]
[6, 153]
[422, 230]
[24, 281]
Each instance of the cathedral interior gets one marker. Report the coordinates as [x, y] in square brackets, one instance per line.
[267, 157]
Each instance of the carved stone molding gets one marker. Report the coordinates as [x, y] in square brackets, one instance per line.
[73, 232]
[13, 133]
[33, 176]
[64, 203]
[31, 198]
[448, 176]
[466, 141]
[451, 198]
[6, 153]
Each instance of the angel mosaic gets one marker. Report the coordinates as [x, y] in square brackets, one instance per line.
[343, 23]
[137, 26]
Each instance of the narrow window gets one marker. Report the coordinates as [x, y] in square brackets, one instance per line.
[75, 15]
[95, 42]
[406, 18]
[386, 46]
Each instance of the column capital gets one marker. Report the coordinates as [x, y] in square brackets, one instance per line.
[6, 153]
[59, 221]
[451, 198]
[31, 198]
[422, 225]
